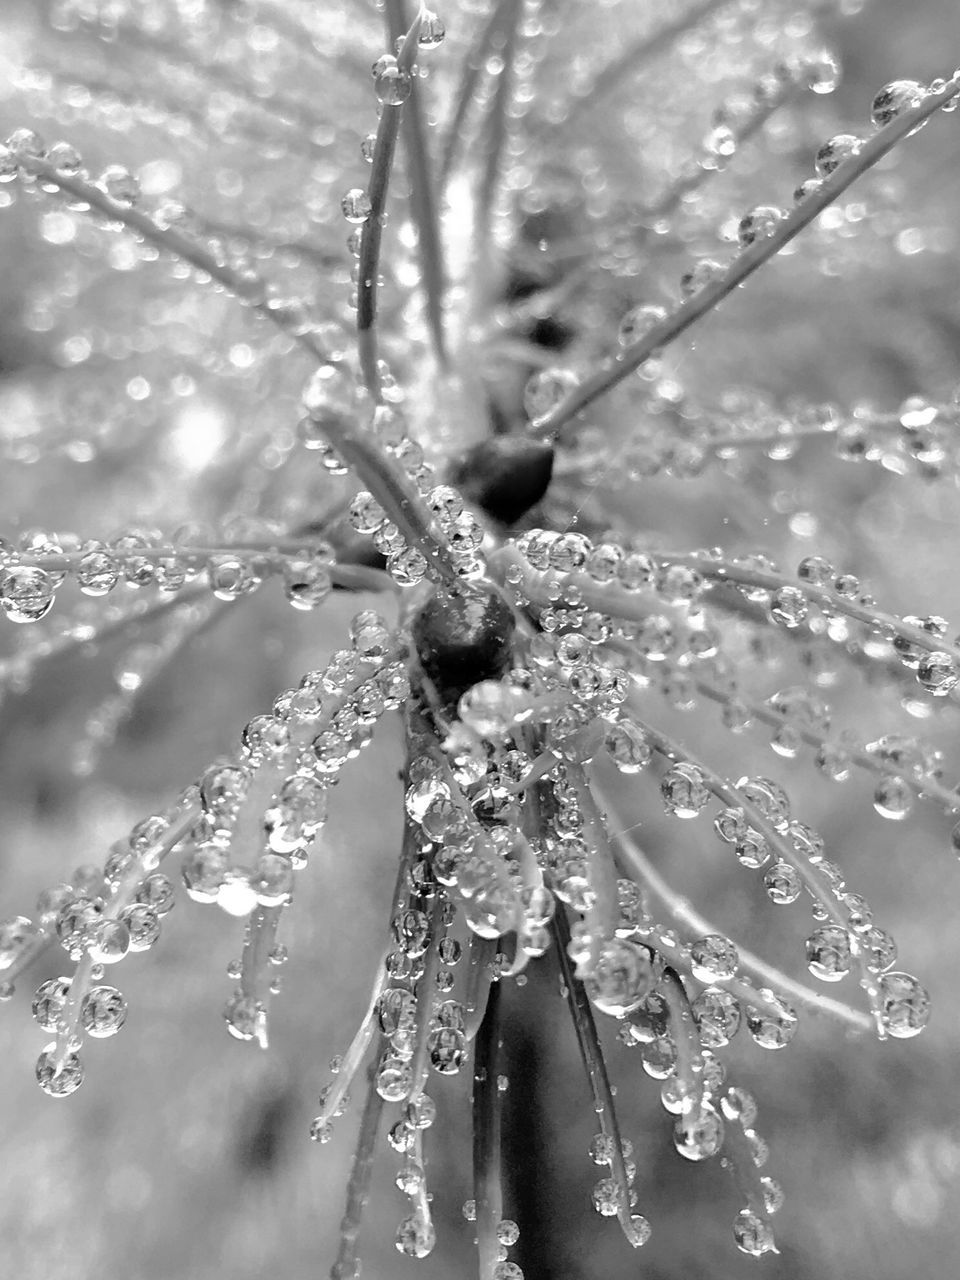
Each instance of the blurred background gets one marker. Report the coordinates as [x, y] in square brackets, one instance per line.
[128, 398]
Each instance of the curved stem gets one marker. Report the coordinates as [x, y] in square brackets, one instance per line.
[635, 865]
[731, 796]
[352, 1060]
[744, 265]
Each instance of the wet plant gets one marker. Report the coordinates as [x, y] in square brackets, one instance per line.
[458, 416]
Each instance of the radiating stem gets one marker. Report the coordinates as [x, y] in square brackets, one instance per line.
[395, 492]
[426, 996]
[358, 1187]
[729, 795]
[744, 265]
[383, 153]
[687, 1043]
[738, 1158]
[596, 1069]
[487, 1189]
[636, 866]
[423, 195]
[925, 788]
[479, 981]
[251, 289]
[140, 867]
[255, 964]
[352, 1059]
[603, 915]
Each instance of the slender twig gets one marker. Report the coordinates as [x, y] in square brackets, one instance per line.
[687, 1041]
[382, 475]
[635, 865]
[350, 1064]
[479, 981]
[745, 264]
[259, 942]
[731, 796]
[426, 997]
[141, 865]
[596, 1069]
[249, 288]
[358, 1186]
[423, 195]
[634, 606]
[926, 788]
[738, 1158]
[603, 914]
[830, 602]
[383, 152]
[487, 1189]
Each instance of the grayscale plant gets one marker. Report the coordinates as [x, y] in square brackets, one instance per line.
[469, 417]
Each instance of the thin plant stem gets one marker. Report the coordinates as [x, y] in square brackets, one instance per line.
[141, 866]
[381, 474]
[259, 942]
[372, 231]
[729, 795]
[687, 1041]
[249, 288]
[888, 624]
[596, 1068]
[426, 995]
[603, 914]
[697, 174]
[744, 265]
[487, 1189]
[925, 788]
[423, 196]
[479, 981]
[635, 865]
[358, 1186]
[350, 1063]
[738, 1158]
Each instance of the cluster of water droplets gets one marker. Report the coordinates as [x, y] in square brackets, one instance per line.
[35, 567]
[99, 918]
